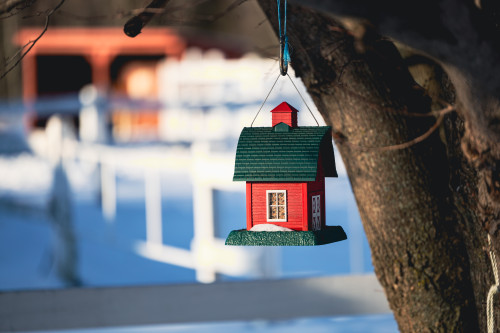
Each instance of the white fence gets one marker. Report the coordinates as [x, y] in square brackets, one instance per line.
[208, 255]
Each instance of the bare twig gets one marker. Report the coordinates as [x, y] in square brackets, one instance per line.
[230, 8]
[28, 46]
[15, 55]
[441, 113]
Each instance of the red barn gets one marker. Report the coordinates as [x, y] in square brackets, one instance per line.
[285, 168]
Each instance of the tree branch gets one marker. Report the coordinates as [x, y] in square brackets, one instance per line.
[6, 6]
[342, 140]
[32, 43]
[135, 12]
[418, 24]
[134, 26]
[461, 36]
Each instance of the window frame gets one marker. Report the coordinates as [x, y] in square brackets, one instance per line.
[268, 206]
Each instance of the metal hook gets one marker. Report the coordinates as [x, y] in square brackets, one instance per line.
[283, 61]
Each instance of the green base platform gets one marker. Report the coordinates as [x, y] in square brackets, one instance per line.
[286, 238]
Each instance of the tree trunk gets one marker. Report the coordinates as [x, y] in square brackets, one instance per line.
[419, 203]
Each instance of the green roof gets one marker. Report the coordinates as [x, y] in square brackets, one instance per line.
[282, 153]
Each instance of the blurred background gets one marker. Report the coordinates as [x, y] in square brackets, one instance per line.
[117, 153]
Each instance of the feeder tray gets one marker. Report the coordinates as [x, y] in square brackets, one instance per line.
[328, 235]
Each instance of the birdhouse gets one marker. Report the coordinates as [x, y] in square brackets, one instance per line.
[284, 167]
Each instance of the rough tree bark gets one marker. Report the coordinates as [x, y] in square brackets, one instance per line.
[427, 208]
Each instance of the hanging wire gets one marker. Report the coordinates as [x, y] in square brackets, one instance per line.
[284, 60]
[269, 93]
[303, 100]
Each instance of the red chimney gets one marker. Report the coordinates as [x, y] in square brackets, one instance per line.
[285, 113]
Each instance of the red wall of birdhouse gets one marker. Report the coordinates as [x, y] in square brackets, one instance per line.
[294, 201]
[299, 202]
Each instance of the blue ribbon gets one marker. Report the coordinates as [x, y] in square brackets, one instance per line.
[285, 50]
[286, 53]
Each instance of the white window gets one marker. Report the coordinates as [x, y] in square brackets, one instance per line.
[276, 206]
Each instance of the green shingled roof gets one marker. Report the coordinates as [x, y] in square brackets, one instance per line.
[281, 153]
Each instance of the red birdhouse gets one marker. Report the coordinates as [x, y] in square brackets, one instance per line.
[284, 167]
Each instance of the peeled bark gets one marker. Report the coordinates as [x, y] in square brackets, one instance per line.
[420, 205]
